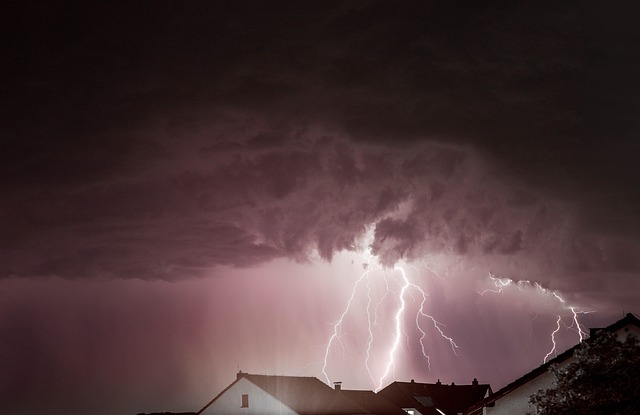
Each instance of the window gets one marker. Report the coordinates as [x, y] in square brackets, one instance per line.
[245, 401]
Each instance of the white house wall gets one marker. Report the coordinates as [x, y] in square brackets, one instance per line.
[624, 332]
[517, 401]
[260, 402]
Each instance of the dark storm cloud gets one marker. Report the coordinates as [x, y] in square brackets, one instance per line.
[245, 208]
[159, 139]
[420, 70]
[317, 195]
[394, 240]
[165, 140]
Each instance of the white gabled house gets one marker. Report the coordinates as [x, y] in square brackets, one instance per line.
[280, 395]
[513, 399]
[245, 397]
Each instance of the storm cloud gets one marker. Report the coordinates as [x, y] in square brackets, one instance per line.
[163, 142]
[155, 143]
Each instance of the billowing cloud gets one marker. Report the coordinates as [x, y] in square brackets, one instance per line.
[308, 192]
[169, 144]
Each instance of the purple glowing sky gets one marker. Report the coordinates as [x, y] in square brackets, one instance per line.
[193, 189]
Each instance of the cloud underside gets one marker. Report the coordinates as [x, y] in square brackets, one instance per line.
[242, 203]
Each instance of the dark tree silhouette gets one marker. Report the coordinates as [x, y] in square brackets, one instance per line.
[604, 379]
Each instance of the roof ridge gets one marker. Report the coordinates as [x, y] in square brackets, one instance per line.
[278, 376]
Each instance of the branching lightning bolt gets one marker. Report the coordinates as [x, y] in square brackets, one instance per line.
[498, 283]
[399, 317]
[406, 288]
[397, 284]
[338, 325]
[501, 283]
[581, 333]
[398, 320]
[574, 325]
[370, 331]
[553, 339]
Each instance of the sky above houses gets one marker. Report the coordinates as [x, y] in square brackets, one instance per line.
[192, 189]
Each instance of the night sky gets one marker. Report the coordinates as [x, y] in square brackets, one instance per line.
[190, 189]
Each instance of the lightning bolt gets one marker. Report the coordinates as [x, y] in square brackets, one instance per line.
[553, 340]
[578, 327]
[498, 283]
[574, 325]
[338, 324]
[406, 288]
[369, 330]
[398, 320]
[397, 284]
[501, 283]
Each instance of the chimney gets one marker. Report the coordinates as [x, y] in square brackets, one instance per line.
[438, 382]
[337, 386]
[239, 374]
[475, 382]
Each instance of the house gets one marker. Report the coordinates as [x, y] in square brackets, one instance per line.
[290, 395]
[434, 398]
[253, 394]
[513, 399]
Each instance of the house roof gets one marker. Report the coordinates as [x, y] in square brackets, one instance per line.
[428, 398]
[627, 320]
[167, 413]
[372, 402]
[304, 395]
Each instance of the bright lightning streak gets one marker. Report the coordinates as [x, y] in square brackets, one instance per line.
[553, 340]
[406, 287]
[398, 319]
[501, 283]
[437, 325]
[423, 334]
[338, 324]
[498, 283]
[581, 333]
[576, 324]
[370, 330]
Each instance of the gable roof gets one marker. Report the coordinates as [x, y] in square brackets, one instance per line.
[167, 413]
[427, 398]
[304, 395]
[627, 320]
[373, 402]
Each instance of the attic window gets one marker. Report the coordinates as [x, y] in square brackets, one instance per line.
[245, 401]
